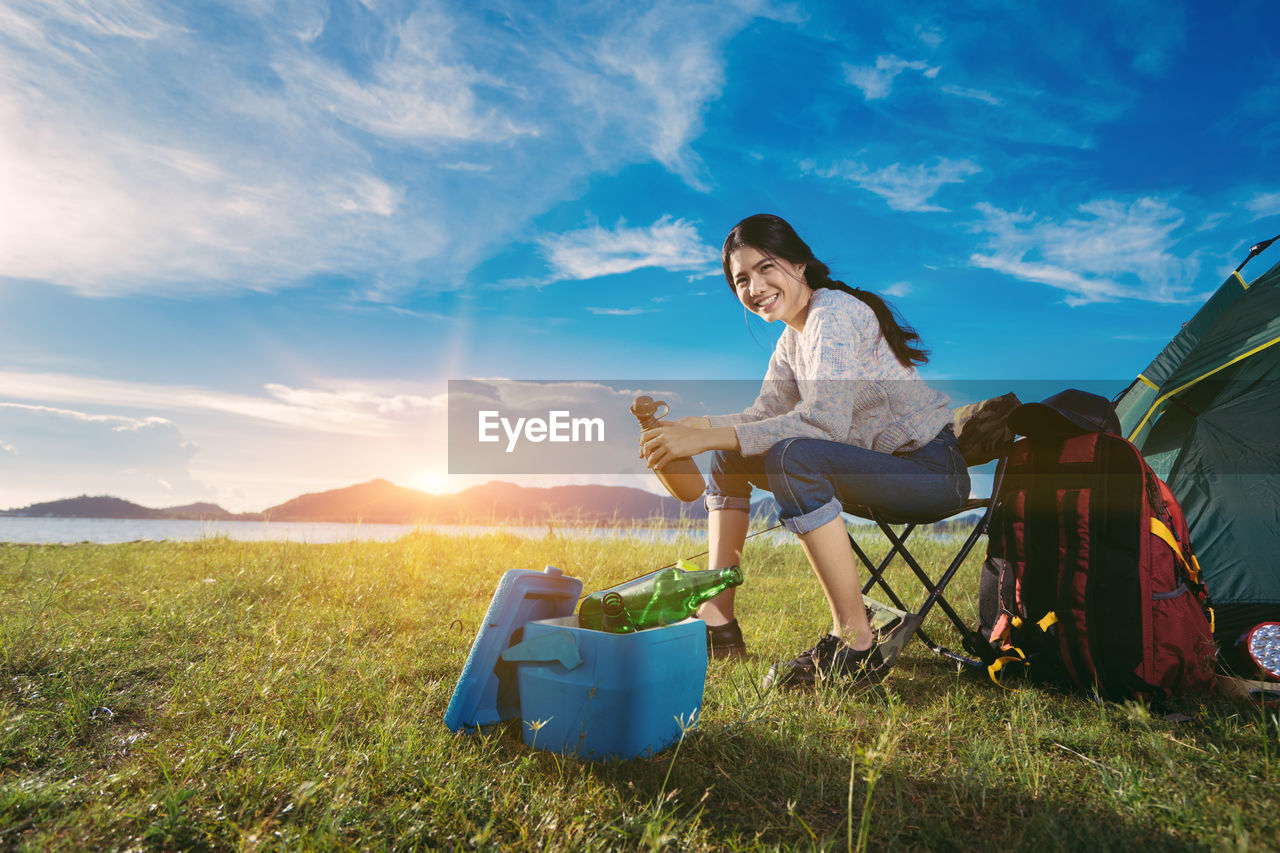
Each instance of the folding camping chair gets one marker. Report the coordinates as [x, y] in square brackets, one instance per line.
[983, 436]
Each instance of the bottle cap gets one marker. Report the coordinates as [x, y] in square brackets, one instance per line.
[645, 406]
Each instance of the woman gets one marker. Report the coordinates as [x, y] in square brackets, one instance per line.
[842, 418]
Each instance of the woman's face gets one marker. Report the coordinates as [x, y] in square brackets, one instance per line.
[772, 287]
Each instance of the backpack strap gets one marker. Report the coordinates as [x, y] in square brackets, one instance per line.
[1013, 655]
[996, 667]
[1160, 529]
[1182, 550]
[1163, 528]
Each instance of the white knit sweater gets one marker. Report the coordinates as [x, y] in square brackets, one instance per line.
[839, 380]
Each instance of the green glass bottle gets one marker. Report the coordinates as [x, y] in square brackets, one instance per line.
[663, 597]
[613, 615]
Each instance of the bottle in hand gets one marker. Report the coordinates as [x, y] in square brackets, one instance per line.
[680, 476]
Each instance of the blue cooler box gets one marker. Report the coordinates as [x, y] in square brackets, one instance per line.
[578, 692]
[628, 694]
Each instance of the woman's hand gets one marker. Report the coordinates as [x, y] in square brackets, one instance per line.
[688, 436]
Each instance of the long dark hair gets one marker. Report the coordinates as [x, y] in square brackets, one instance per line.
[773, 236]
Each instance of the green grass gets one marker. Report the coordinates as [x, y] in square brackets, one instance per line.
[230, 695]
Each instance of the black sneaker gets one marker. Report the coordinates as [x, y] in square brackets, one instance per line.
[865, 666]
[830, 658]
[725, 641]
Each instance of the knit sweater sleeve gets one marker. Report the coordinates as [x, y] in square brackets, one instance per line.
[778, 393]
[834, 350]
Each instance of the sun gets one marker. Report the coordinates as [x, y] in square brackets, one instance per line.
[430, 481]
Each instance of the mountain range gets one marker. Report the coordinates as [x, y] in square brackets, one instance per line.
[383, 502]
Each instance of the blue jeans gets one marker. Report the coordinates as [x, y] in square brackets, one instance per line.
[813, 480]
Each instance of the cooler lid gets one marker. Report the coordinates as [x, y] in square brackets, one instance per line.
[486, 692]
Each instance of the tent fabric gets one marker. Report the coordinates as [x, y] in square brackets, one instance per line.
[1206, 415]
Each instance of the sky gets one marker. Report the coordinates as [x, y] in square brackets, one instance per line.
[245, 246]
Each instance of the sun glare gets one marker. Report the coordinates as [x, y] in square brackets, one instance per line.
[430, 481]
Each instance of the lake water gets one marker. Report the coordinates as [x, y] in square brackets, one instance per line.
[110, 530]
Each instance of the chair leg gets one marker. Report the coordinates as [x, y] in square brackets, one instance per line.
[973, 642]
[935, 590]
[935, 596]
[876, 579]
[875, 571]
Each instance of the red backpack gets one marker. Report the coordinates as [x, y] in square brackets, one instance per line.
[1095, 583]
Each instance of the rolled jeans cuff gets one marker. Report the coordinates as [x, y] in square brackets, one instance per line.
[714, 502]
[812, 520]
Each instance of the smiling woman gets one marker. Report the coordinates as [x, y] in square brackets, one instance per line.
[771, 286]
[842, 419]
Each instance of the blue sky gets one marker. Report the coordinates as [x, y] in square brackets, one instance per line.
[245, 245]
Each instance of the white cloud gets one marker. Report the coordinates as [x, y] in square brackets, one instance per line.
[1163, 27]
[415, 92]
[620, 312]
[903, 187]
[645, 74]
[116, 423]
[462, 166]
[1212, 221]
[1112, 251]
[351, 409]
[876, 81]
[121, 215]
[897, 289]
[122, 18]
[129, 438]
[67, 452]
[142, 150]
[931, 36]
[670, 244]
[352, 399]
[674, 107]
[1264, 205]
[973, 94]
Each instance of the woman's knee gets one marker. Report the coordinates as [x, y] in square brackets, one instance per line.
[781, 459]
[799, 461]
[798, 480]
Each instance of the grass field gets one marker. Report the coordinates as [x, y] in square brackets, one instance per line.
[231, 695]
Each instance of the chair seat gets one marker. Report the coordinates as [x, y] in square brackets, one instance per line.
[868, 513]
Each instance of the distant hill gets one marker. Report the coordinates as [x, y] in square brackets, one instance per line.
[207, 512]
[375, 502]
[99, 506]
[380, 501]
[383, 502]
[105, 506]
[604, 504]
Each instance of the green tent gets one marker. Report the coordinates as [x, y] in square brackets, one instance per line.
[1206, 415]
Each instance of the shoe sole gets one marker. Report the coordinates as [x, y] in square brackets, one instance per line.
[821, 677]
[726, 652]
